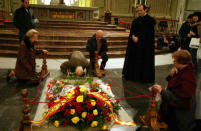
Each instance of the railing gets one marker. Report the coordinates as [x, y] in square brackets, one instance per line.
[162, 24]
[3, 16]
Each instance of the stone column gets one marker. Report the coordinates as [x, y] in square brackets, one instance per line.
[181, 11]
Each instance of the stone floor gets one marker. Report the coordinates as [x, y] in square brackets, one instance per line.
[10, 99]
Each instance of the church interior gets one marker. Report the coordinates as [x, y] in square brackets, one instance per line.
[72, 89]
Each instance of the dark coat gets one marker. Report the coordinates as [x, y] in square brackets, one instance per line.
[139, 62]
[77, 59]
[92, 45]
[26, 64]
[183, 32]
[23, 20]
[178, 106]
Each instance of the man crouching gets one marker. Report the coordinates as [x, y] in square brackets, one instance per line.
[76, 64]
[97, 45]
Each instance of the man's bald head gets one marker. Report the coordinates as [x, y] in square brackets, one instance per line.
[99, 35]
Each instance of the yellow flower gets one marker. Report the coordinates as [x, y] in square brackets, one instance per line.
[72, 111]
[93, 102]
[95, 112]
[110, 115]
[104, 127]
[75, 120]
[83, 89]
[57, 100]
[94, 124]
[61, 85]
[69, 95]
[72, 92]
[84, 114]
[80, 98]
[44, 114]
[56, 123]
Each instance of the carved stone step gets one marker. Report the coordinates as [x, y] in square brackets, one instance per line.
[60, 48]
[112, 54]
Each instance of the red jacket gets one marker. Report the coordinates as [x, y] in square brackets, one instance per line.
[183, 86]
[179, 93]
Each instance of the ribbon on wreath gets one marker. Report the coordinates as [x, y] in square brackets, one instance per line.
[105, 100]
[56, 107]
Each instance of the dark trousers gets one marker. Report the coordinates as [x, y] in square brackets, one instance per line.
[193, 52]
[21, 36]
[104, 57]
[185, 44]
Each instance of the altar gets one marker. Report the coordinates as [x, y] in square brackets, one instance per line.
[63, 12]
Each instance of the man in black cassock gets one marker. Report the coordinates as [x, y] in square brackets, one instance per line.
[139, 62]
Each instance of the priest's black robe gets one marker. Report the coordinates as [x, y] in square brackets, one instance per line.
[139, 64]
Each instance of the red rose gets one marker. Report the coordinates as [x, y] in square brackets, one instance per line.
[90, 96]
[100, 104]
[77, 88]
[74, 103]
[67, 112]
[89, 106]
[110, 85]
[50, 104]
[105, 112]
[109, 118]
[68, 104]
[65, 123]
[76, 94]
[92, 90]
[61, 97]
[62, 108]
[117, 100]
[90, 117]
[79, 109]
[62, 82]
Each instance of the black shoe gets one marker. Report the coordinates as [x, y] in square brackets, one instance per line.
[7, 76]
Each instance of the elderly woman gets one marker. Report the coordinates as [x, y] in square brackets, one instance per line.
[25, 68]
[178, 105]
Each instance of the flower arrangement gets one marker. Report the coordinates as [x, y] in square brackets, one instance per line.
[84, 110]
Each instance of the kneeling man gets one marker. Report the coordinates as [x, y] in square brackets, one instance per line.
[76, 64]
[98, 45]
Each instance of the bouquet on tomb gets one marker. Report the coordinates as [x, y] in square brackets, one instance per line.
[82, 106]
